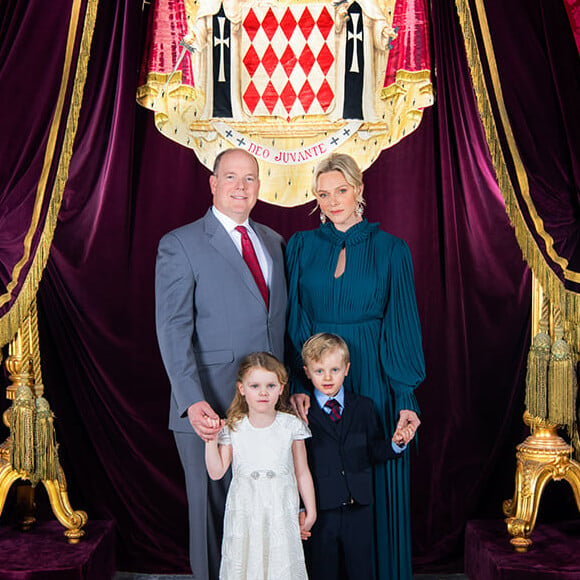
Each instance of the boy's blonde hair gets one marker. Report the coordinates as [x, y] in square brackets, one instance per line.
[319, 344]
[257, 360]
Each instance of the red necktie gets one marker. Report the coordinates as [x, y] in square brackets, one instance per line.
[334, 407]
[249, 255]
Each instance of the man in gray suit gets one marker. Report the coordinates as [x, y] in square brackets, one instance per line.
[212, 309]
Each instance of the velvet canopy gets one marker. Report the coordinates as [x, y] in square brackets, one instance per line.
[535, 159]
[71, 129]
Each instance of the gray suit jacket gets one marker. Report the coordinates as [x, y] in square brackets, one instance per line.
[210, 313]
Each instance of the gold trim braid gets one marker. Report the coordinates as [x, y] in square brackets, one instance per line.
[12, 320]
[568, 301]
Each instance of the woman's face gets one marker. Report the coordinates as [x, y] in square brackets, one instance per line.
[337, 200]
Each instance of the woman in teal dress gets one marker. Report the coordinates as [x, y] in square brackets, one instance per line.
[350, 278]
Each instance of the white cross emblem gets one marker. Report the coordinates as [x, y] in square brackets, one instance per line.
[354, 36]
[221, 42]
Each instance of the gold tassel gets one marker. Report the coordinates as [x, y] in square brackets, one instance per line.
[561, 378]
[46, 448]
[537, 371]
[22, 431]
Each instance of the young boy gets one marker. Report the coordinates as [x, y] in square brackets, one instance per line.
[347, 438]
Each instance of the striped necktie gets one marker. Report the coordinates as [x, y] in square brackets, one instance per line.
[334, 407]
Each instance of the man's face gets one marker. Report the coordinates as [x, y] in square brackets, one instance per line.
[235, 186]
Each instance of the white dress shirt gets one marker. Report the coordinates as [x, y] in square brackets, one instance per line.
[230, 226]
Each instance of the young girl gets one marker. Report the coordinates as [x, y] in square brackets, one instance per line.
[261, 528]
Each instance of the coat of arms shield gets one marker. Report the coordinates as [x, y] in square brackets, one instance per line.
[288, 80]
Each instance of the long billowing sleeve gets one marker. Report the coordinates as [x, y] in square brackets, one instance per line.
[401, 349]
[298, 325]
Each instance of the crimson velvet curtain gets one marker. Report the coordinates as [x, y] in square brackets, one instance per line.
[127, 185]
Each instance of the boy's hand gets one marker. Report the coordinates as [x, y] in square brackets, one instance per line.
[406, 427]
[402, 436]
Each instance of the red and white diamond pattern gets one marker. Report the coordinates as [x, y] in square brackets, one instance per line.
[288, 66]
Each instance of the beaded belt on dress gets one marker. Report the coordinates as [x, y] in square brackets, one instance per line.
[263, 473]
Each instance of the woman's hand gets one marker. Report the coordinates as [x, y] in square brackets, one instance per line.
[301, 403]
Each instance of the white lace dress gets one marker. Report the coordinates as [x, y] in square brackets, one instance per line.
[261, 531]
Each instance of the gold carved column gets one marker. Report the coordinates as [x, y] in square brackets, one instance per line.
[550, 400]
[29, 455]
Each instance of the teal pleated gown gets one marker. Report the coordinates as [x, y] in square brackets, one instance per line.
[372, 306]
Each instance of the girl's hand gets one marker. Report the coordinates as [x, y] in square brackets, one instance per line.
[304, 535]
[202, 417]
[306, 522]
[214, 423]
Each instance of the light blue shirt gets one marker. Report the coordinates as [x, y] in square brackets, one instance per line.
[322, 399]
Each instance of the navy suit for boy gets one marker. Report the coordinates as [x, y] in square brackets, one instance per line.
[341, 455]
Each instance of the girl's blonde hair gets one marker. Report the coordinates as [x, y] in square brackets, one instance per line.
[258, 360]
[349, 169]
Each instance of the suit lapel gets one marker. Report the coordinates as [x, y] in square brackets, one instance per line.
[348, 412]
[317, 415]
[222, 242]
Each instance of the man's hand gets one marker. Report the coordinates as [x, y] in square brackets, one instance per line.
[204, 420]
[301, 403]
[406, 427]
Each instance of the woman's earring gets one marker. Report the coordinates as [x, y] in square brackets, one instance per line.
[359, 209]
[322, 218]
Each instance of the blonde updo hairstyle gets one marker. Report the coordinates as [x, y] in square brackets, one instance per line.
[258, 360]
[349, 169]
